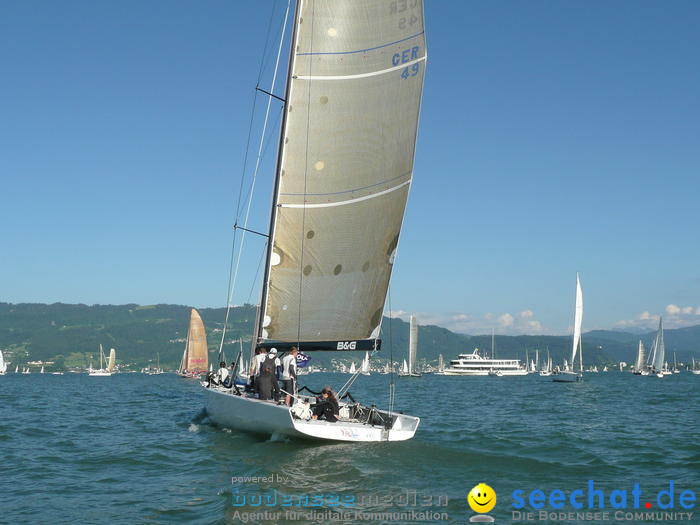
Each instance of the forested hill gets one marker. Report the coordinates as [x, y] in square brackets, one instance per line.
[71, 333]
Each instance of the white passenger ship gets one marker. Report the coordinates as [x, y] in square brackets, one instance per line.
[476, 365]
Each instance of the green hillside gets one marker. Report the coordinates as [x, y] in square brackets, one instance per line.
[70, 335]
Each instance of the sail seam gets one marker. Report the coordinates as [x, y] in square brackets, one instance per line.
[352, 190]
[361, 75]
[361, 50]
[350, 201]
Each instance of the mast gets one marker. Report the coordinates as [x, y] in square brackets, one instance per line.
[257, 335]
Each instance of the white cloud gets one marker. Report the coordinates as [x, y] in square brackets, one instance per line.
[674, 317]
[672, 309]
[504, 323]
[505, 320]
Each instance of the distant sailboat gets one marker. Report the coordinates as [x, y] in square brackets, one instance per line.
[695, 371]
[569, 375]
[195, 358]
[639, 369]
[658, 352]
[352, 368]
[42, 369]
[547, 369]
[101, 371]
[17, 369]
[364, 368]
[412, 350]
[3, 365]
[441, 365]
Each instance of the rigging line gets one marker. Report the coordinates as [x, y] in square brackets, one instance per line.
[260, 151]
[265, 149]
[257, 273]
[267, 40]
[306, 171]
[392, 384]
[233, 278]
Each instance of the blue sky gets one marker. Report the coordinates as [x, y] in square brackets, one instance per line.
[555, 137]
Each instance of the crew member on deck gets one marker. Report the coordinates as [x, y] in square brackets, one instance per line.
[223, 373]
[326, 407]
[289, 374]
[266, 381]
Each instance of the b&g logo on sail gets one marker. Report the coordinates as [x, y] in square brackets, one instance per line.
[347, 345]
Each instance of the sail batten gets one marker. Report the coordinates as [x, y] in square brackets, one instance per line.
[344, 170]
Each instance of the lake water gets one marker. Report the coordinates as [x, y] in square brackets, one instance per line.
[138, 449]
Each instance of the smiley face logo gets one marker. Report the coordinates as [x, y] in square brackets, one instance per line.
[482, 498]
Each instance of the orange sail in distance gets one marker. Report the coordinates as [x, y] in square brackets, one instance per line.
[196, 357]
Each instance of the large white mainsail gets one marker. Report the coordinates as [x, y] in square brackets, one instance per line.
[3, 364]
[344, 171]
[639, 363]
[659, 348]
[578, 319]
[412, 344]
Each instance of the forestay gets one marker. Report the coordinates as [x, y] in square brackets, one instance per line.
[345, 168]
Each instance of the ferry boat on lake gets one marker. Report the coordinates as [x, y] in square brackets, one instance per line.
[477, 365]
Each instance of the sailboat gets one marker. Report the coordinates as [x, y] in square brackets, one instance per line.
[569, 374]
[364, 367]
[42, 369]
[344, 168]
[675, 365]
[352, 370]
[16, 369]
[408, 371]
[195, 358]
[658, 353]
[441, 365]
[101, 371]
[639, 369]
[695, 371]
[3, 365]
[547, 369]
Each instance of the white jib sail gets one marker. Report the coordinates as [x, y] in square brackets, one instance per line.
[345, 167]
[578, 319]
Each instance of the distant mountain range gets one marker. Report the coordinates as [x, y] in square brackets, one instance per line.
[70, 334]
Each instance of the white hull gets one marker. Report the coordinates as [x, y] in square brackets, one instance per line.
[266, 417]
[453, 372]
[99, 373]
[696, 372]
[567, 377]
